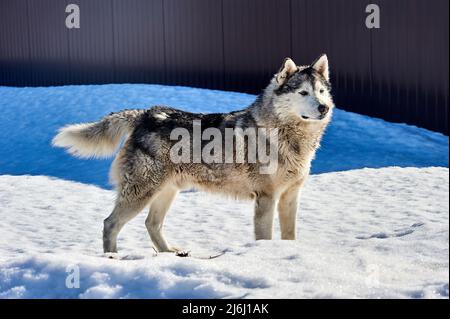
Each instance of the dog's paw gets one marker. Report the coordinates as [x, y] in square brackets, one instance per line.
[182, 253]
[179, 252]
[112, 255]
[175, 249]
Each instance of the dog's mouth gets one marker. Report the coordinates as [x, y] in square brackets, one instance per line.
[307, 118]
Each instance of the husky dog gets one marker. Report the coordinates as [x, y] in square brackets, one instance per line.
[297, 102]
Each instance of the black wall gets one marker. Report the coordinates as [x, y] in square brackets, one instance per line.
[398, 72]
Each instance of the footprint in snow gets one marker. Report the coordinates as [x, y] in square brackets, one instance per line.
[396, 233]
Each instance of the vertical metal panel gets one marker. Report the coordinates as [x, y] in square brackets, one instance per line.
[442, 24]
[398, 72]
[393, 60]
[193, 42]
[139, 41]
[91, 47]
[410, 62]
[336, 28]
[48, 42]
[15, 63]
[257, 38]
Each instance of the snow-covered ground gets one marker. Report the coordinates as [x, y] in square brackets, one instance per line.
[362, 233]
[370, 232]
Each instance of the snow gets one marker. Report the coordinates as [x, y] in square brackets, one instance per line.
[31, 116]
[369, 233]
[373, 220]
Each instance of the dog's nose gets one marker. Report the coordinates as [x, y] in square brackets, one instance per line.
[323, 109]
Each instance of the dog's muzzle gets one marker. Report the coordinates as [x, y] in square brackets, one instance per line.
[323, 110]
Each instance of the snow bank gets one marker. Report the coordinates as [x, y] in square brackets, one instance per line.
[362, 233]
[31, 116]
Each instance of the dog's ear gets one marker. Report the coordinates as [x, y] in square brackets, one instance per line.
[287, 69]
[321, 66]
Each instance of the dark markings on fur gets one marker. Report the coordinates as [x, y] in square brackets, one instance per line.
[298, 78]
[158, 122]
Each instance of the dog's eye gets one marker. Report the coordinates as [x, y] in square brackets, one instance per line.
[304, 93]
[321, 91]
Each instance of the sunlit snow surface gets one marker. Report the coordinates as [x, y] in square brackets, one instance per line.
[378, 232]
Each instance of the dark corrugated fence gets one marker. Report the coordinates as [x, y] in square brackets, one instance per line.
[398, 72]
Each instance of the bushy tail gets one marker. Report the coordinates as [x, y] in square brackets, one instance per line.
[97, 139]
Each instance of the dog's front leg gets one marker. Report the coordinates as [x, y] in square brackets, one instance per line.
[264, 214]
[287, 211]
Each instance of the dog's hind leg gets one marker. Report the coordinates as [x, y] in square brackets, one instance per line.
[138, 178]
[122, 213]
[264, 214]
[133, 195]
[155, 220]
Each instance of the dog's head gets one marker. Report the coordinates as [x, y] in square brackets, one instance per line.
[303, 91]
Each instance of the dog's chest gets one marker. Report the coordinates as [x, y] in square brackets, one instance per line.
[295, 156]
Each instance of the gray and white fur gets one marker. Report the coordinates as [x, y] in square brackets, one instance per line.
[297, 102]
